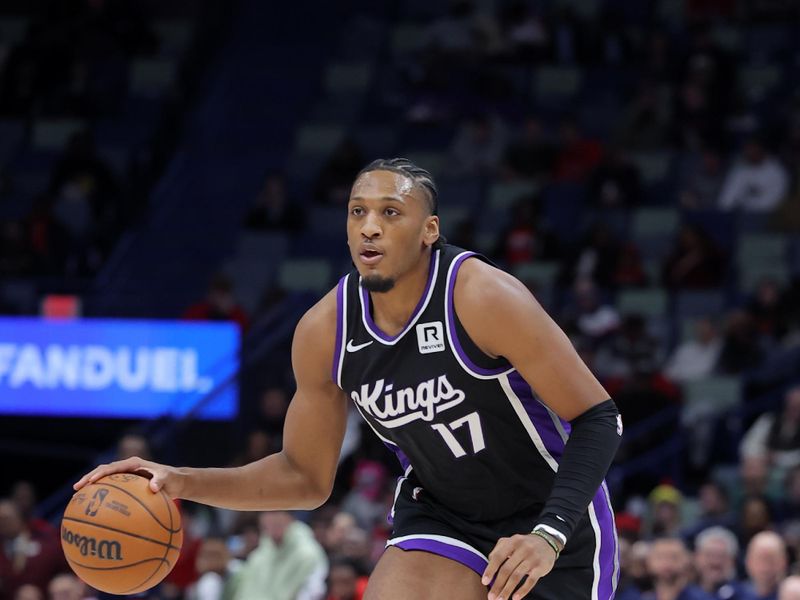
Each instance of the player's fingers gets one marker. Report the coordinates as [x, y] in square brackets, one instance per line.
[120, 466]
[508, 578]
[526, 587]
[496, 557]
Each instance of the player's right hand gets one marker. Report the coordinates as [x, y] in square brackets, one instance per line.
[163, 477]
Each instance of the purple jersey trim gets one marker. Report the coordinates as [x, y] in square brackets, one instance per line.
[450, 309]
[370, 323]
[539, 415]
[465, 557]
[337, 353]
[404, 462]
[609, 573]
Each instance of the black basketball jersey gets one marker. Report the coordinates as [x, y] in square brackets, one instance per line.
[472, 430]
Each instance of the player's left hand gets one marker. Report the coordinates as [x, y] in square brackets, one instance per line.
[512, 559]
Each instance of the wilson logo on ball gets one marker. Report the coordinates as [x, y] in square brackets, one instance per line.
[90, 546]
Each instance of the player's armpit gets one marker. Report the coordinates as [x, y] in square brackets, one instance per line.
[521, 331]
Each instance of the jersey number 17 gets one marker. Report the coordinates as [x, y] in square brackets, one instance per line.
[473, 421]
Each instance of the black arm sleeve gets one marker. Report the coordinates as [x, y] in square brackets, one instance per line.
[587, 456]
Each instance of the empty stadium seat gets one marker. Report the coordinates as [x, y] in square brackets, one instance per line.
[647, 303]
[297, 275]
[710, 396]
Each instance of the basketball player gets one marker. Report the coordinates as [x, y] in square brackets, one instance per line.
[441, 353]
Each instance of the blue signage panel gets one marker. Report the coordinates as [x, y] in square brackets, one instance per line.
[118, 368]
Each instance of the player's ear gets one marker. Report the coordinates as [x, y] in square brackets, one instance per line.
[431, 231]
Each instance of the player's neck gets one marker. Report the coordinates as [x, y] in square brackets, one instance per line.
[392, 310]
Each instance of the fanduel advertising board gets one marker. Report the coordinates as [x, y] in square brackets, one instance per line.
[118, 368]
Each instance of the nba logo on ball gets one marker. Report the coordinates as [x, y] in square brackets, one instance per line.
[430, 337]
[119, 536]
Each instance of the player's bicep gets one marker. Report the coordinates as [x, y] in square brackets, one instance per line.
[315, 422]
[313, 433]
[523, 332]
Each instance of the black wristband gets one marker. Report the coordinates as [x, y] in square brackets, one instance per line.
[587, 456]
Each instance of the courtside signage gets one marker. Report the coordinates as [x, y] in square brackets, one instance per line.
[118, 368]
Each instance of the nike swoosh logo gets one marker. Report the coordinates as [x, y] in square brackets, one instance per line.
[353, 348]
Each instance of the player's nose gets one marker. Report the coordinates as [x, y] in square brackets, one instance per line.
[371, 226]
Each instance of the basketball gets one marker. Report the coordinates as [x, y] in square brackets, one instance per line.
[119, 537]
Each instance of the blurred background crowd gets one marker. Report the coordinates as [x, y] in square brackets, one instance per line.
[635, 164]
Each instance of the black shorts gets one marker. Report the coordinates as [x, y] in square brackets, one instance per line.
[588, 568]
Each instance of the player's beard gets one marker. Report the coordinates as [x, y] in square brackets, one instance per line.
[377, 284]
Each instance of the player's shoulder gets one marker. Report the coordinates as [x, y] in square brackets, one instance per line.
[484, 285]
[319, 321]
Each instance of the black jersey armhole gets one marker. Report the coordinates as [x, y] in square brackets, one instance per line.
[477, 356]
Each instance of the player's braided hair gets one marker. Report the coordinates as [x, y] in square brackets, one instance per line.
[418, 175]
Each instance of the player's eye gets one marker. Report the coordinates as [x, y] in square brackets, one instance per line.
[356, 211]
[391, 212]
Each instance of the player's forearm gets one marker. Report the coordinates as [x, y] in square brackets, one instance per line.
[272, 483]
[587, 456]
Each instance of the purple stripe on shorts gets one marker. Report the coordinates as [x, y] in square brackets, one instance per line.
[608, 544]
[451, 321]
[465, 557]
[539, 415]
[368, 315]
[339, 325]
[404, 462]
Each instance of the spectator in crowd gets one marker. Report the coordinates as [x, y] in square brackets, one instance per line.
[287, 564]
[697, 357]
[23, 495]
[626, 588]
[716, 551]
[477, 148]
[28, 592]
[702, 180]
[755, 516]
[768, 310]
[615, 183]
[631, 350]
[529, 155]
[595, 258]
[25, 557]
[776, 435]
[214, 566]
[66, 586]
[756, 183]
[336, 178]
[715, 511]
[219, 304]
[133, 444]
[577, 156]
[669, 564]
[665, 511]
[526, 32]
[344, 580]
[364, 501]
[273, 209]
[695, 262]
[527, 238]
[742, 349]
[591, 317]
[766, 565]
[790, 588]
